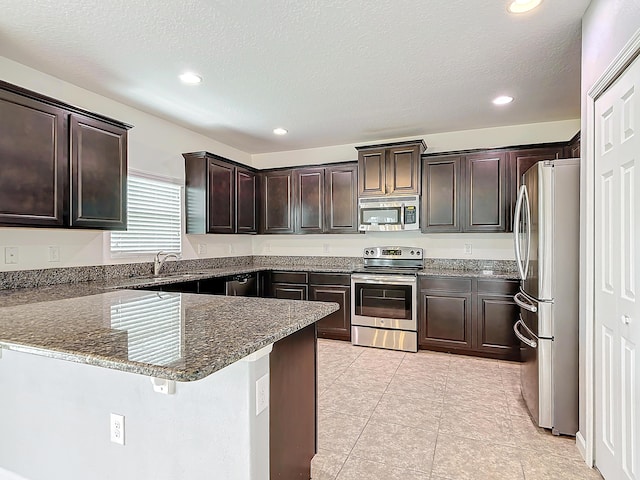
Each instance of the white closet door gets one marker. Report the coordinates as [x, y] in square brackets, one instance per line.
[617, 252]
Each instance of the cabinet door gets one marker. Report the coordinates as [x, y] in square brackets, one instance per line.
[484, 196]
[519, 161]
[338, 324]
[289, 291]
[277, 204]
[440, 198]
[309, 200]
[573, 149]
[34, 162]
[246, 201]
[445, 320]
[98, 174]
[494, 322]
[341, 199]
[403, 170]
[221, 192]
[372, 172]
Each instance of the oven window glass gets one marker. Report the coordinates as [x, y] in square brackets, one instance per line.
[383, 301]
[380, 216]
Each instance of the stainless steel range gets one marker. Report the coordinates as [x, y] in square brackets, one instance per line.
[384, 299]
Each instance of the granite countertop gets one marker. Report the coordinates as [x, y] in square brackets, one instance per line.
[450, 272]
[201, 333]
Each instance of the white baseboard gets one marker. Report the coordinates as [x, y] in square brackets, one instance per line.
[582, 447]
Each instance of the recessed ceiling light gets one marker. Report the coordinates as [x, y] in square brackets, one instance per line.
[280, 131]
[190, 78]
[502, 100]
[522, 6]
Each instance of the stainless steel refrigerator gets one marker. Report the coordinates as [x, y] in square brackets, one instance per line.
[546, 240]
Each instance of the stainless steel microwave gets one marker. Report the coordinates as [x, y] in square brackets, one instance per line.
[389, 214]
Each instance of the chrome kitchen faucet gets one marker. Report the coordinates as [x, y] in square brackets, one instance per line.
[158, 263]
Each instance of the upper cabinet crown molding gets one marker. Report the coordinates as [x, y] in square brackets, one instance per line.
[390, 169]
[62, 166]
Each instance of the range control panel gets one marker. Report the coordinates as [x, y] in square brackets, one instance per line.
[393, 252]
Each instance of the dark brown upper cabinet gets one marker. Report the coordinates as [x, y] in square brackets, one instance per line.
[442, 183]
[247, 195]
[573, 149]
[484, 192]
[98, 174]
[340, 194]
[519, 161]
[464, 193]
[61, 166]
[220, 195]
[390, 169]
[277, 212]
[310, 200]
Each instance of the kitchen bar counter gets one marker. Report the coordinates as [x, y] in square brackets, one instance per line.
[199, 334]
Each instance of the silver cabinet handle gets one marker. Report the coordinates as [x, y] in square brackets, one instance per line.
[626, 319]
[524, 302]
[525, 340]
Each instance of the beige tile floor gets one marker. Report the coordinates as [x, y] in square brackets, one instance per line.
[429, 416]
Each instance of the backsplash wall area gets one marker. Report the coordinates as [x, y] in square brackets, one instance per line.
[491, 246]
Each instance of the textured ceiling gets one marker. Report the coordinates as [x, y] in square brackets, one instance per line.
[331, 71]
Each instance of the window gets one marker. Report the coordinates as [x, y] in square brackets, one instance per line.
[153, 218]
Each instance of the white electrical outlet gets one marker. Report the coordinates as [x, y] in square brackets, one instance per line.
[10, 255]
[262, 394]
[232, 249]
[54, 254]
[468, 249]
[117, 428]
[325, 247]
[202, 248]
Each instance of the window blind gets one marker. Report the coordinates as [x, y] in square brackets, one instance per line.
[154, 327]
[153, 218]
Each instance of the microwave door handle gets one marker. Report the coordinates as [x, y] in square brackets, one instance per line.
[402, 212]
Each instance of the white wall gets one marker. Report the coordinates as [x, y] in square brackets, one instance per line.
[55, 423]
[437, 142]
[493, 246]
[607, 25]
[155, 146]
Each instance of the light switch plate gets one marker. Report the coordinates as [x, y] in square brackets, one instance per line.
[10, 255]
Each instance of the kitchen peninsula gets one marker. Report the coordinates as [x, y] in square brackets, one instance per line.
[187, 372]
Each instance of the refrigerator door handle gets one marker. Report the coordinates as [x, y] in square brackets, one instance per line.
[524, 302]
[523, 198]
[523, 339]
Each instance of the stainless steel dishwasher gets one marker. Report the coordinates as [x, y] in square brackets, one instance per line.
[242, 285]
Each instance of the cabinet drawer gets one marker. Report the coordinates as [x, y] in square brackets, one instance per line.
[446, 284]
[498, 286]
[289, 277]
[329, 279]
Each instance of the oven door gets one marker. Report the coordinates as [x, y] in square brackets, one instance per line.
[385, 301]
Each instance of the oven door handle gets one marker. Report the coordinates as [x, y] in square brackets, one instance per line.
[385, 279]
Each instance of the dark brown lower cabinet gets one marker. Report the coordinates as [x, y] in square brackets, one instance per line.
[445, 319]
[469, 315]
[292, 415]
[331, 287]
[289, 285]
